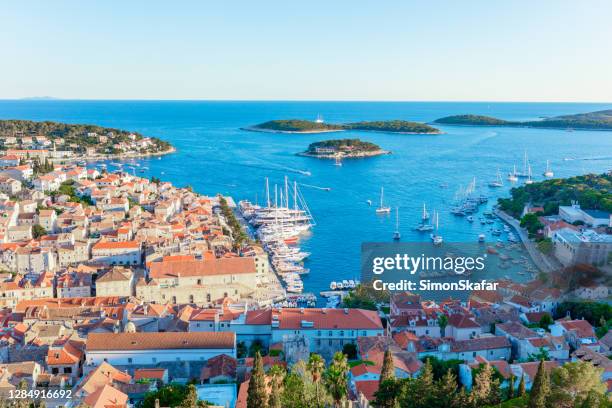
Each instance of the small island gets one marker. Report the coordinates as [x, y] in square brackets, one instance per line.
[67, 142]
[343, 149]
[600, 120]
[306, 126]
[294, 126]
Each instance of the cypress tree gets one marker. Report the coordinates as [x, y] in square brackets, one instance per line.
[257, 396]
[191, 397]
[511, 387]
[540, 390]
[521, 389]
[482, 386]
[446, 389]
[388, 369]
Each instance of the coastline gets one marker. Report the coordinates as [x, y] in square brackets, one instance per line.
[361, 155]
[171, 150]
[254, 129]
[574, 129]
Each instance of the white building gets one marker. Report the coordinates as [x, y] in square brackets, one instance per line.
[145, 349]
[117, 253]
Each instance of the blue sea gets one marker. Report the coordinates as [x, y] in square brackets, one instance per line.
[215, 156]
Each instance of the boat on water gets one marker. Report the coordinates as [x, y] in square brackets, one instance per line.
[319, 119]
[481, 238]
[369, 202]
[333, 285]
[396, 235]
[498, 181]
[525, 172]
[382, 209]
[529, 179]
[548, 172]
[513, 177]
[470, 218]
[436, 238]
[338, 161]
[424, 225]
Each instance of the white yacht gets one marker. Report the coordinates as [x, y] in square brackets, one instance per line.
[548, 172]
[382, 209]
[498, 181]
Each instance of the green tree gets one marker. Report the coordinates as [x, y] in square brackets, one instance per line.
[541, 355]
[420, 392]
[190, 400]
[486, 389]
[276, 375]
[257, 396]
[443, 322]
[511, 386]
[574, 382]
[387, 371]
[336, 378]
[38, 231]
[446, 390]
[545, 321]
[316, 366]
[387, 393]
[521, 388]
[540, 390]
[294, 395]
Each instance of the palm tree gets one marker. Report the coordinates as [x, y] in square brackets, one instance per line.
[316, 365]
[335, 378]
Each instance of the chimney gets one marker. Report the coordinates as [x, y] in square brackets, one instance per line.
[346, 311]
[301, 310]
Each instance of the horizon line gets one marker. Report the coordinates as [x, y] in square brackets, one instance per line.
[55, 99]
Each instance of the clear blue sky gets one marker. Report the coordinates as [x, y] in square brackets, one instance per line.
[313, 50]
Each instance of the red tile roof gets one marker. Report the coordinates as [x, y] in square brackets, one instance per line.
[164, 340]
[222, 266]
[358, 319]
[367, 388]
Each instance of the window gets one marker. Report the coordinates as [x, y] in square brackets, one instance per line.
[341, 333]
[130, 360]
[67, 370]
[330, 342]
[330, 333]
[55, 370]
[154, 360]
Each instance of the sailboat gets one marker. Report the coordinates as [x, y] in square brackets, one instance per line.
[525, 172]
[382, 209]
[498, 182]
[435, 237]
[529, 180]
[396, 234]
[319, 119]
[338, 161]
[548, 172]
[425, 215]
[513, 177]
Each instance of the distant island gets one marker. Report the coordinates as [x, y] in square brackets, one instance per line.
[600, 120]
[343, 149]
[66, 141]
[306, 126]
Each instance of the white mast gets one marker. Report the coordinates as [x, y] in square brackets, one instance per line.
[295, 206]
[286, 193]
[268, 192]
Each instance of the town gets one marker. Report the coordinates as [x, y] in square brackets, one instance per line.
[121, 289]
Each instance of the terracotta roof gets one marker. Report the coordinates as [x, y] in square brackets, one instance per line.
[358, 319]
[103, 374]
[150, 373]
[480, 343]
[462, 321]
[516, 329]
[582, 327]
[260, 316]
[367, 388]
[361, 369]
[221, 365]
[531, 368]
[117, 245]
[165, 340]
[105, 397]
[71, 352]
[221, 266]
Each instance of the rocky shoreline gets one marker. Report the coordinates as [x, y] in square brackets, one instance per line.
[359, 155]
[254, 129]
[127, 156]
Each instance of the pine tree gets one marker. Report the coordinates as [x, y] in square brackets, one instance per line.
[276, 374]
[257, 396]
[540, 390]
[521, 389]
[511, 387]
[446, 389]
[481, 392]
[388, 368]
[191, 397]
[421, 391]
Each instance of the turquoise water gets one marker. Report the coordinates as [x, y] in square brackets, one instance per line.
[214, 156]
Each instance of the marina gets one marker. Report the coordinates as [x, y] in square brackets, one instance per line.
[214, 156]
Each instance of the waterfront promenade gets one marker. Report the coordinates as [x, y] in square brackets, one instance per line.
[544, 263]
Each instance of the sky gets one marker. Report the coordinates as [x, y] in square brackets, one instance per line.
[308, 50]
